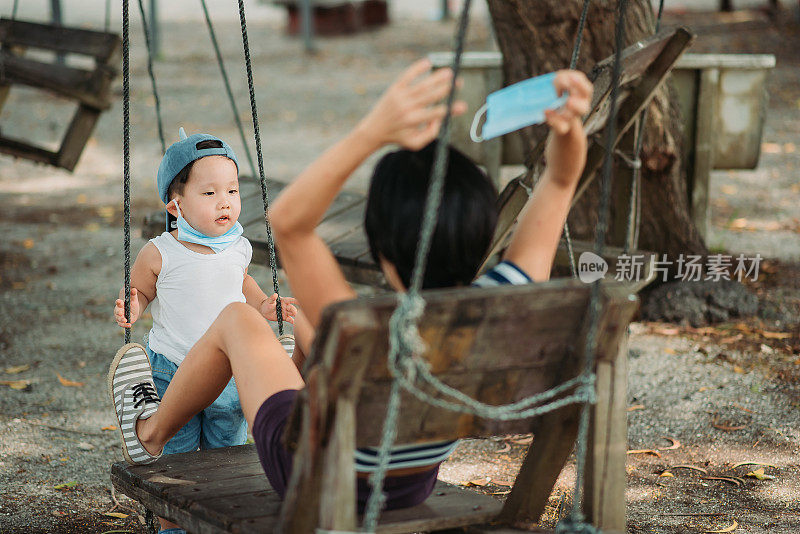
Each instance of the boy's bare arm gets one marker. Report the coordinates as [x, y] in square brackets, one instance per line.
[409, 114]
[144, 275]
[533, 246]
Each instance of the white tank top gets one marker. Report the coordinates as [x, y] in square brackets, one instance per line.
[191, 290]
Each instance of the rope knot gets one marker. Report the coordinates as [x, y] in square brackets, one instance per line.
[404, 338]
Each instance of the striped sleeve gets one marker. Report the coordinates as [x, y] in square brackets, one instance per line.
[503, 273]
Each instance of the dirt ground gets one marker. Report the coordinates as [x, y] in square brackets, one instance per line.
[709, 398]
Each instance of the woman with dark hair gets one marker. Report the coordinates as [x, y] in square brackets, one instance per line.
[240, 343]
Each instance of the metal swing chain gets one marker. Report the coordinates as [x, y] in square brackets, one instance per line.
[152, 75]
[14, 10]
[107, 22]
[264, 192]
[126, 161]
[635, 205]
[228, 90]
[572, 64]
[576, 521]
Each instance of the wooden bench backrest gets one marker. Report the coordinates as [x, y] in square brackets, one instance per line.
[99, 45]
[497, 345]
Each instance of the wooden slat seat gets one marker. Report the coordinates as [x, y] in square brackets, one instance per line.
[90, 88]
[497, 345]
[225, 490]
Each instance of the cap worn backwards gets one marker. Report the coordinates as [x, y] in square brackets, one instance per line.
[185, 151]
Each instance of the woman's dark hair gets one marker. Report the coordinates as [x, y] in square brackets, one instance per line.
[465, 224]
[179, 182]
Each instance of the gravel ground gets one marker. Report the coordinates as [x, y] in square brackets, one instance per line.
[725, 399]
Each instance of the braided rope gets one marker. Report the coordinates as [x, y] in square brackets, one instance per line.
[152, 75]
[126, 160]
[264, 192]
[635, 205]
[572, 64]
[576, 522]
[404, 337]
[228, 89]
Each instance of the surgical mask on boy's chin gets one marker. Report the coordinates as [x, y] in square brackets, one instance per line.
[216, 243]
[517, 106]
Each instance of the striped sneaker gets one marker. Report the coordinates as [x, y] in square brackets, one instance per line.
[131, 388]
[287, 341]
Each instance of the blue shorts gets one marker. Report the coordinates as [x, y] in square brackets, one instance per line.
[220, 425]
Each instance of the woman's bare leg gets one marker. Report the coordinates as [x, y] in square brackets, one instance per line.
[238, 343]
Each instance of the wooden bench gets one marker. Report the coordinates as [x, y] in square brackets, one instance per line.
[336, 17]
[89, 88]
[497, 345]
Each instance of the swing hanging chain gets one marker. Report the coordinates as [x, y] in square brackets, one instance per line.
[634, 207]
[228, 89]
[264, 191]
[572, 64]
[126, 161]
[147, 42]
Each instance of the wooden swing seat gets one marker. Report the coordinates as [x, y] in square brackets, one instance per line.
[497, 345]
[90, 89]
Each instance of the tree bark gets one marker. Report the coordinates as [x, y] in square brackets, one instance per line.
[537, 36]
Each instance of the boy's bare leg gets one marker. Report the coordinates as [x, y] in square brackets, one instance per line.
[238, 343]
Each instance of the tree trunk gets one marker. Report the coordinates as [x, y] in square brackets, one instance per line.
[537, 36]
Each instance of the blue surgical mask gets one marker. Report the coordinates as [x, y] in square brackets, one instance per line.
[216, 243]
[517, 106]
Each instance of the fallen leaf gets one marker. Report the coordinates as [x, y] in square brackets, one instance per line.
[666, 330]
[636, 407]
[645, 451]
[118, 515]
[505, 492]
[674, 444]
[692, 467]
[27, 244]
[726, 529]
[704, 388]
[725, 479]
[478, 482]
[17, 369]
[502, 482]
[738, 224]
[19, 385]
[740, 464]
[789, 148]
[666, 474]
[771, 148]
[110, 427]
[81, 199]
[759, 474]
[670, 351]
[523, 441]
[727, 428]
[730, 339]
[729, 189]
[66, 485]
[68, 383]
[776, 335]
[738, 370]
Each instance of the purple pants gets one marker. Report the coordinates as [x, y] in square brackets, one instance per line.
[401, 492]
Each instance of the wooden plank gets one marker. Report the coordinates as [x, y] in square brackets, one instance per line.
[79, 84]
[78, 133]
[605, 469]
[100, 45]
[21, 149]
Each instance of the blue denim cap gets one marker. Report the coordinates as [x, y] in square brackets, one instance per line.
[182, 153]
